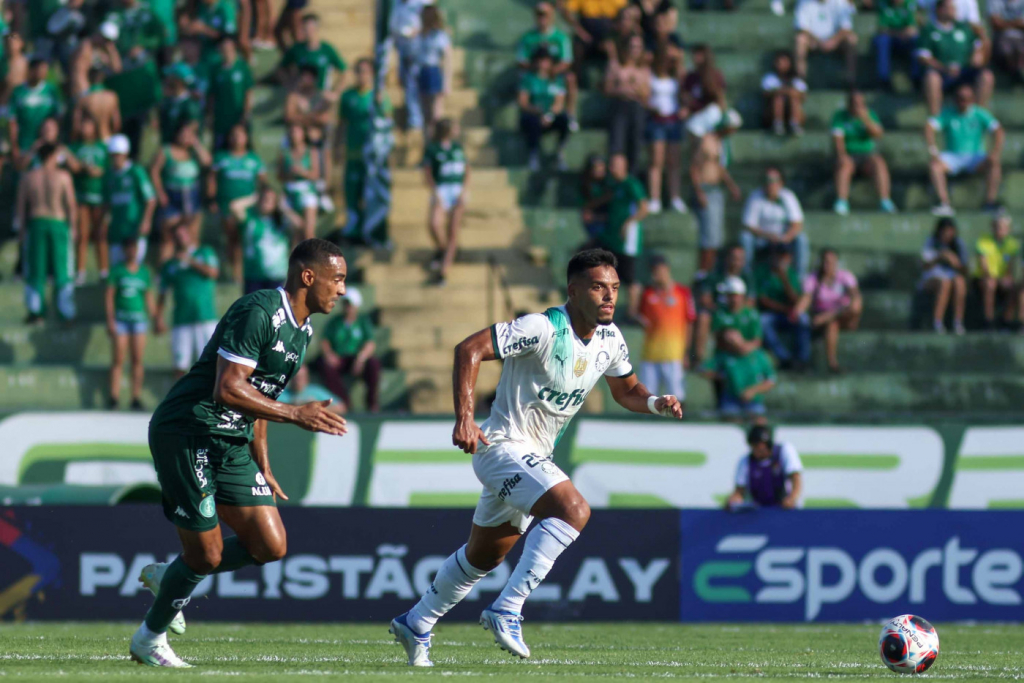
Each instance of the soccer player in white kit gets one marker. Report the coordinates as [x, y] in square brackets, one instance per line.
[552, 361]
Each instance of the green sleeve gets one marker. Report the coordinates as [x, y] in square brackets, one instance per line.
[144, 186]
[924, 41]
[987, 118]
[523, 48]
[230, 18]
[247, 331]
[636, 189]
[836, 123]
[566, 47]
[334, 58]
[795, 282]
[289, 58]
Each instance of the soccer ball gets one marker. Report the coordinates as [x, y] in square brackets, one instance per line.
[908, 644]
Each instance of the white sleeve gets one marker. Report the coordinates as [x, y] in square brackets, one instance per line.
[522, 336]
[799, 17]
[972, 15]
[750, 210]
[794, 212]
[743, 472]
[846, 16]
[770, 82]
[791, 463]
[620, 366]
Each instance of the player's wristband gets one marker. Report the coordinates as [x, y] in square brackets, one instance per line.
[652, 404]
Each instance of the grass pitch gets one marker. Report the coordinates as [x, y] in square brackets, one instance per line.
[262, 652]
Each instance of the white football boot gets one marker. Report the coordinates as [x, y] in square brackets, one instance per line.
[151, 649]
[508, 631]
[417, 645]
[151, 576]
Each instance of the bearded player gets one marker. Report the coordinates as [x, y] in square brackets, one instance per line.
[552, 361]
[208, 439]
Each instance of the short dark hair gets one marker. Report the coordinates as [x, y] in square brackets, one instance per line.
[760, 434]
[309, 69]
[587, 259]
[46, 150]
[311, 16]
[312, 252]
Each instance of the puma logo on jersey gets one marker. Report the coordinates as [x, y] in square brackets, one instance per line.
[279, 347]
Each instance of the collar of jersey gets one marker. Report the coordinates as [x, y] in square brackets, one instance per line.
[288, 308]
[572, 330]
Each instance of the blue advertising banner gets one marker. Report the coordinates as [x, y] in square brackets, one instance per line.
[851, 565]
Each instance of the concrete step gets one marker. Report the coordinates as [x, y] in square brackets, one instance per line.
[412, 236]
[432, 337]
[430, 390]
[480, 178]
[395, 296]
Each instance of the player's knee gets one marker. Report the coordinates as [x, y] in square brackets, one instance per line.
[271, 551]
[575, 513]
[203, 562]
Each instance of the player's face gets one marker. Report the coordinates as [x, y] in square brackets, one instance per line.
[328, 285]
[736, 260]
[594, 294]
[761, 450]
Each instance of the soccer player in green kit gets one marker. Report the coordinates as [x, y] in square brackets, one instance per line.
[208, 439]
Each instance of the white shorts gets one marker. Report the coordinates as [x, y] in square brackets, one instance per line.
[958, 163]
[668, 376]
[514, 478]
[188, 342]
[117, 252]
[448, 194]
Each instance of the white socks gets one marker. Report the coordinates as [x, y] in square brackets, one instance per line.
[543, 546]
[454, 580]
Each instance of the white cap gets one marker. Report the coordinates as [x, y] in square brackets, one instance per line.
[109, 30]
[733, 285]
[118, 144]
[353, 296]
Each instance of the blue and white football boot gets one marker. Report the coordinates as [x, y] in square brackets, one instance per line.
[508, 631]
[417, 645]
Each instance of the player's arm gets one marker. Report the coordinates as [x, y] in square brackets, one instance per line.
[737, 497]
[797, 481]
[261, 456]
[472, 351]
[629, 393]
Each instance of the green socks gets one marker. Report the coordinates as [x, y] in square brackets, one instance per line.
[234, 556]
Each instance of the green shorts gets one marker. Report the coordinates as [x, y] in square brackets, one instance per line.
[197, 473]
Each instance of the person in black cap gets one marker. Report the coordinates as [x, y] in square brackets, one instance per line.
[770, 475]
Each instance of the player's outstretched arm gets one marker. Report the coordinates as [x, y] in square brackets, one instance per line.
[472, 351]
[629, 393]
[234, 390]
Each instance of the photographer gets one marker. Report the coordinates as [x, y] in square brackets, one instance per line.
[770, 475]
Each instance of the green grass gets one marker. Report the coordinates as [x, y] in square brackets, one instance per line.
[98, 652]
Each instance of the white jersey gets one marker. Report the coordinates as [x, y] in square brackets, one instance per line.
[547, 375]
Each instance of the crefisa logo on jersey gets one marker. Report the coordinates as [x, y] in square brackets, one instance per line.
[520, 344]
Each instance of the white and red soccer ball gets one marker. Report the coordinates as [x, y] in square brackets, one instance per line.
[908, 644]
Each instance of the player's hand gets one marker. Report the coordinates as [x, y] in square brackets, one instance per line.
[275, 488]
[669, 406]
[788, 503]
[467, 435]
[315, 417]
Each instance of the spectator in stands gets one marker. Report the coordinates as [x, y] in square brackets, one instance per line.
[711, 180]
[100, 104]
[300, 390]
[665, 38]
[176, 174]
[434, 61]
[268, 228]
[826, 26]
[780, 290]
[237, 172]
[308, 106]
[625, 26]
[952, 56]
[897, 35]
[404, 25]
[744, 370]
[49, 134]
[664, 133]
[129, 202]
[855, 134]
[357, 110]
[313, 52]
[711, 297]
[299, 170]
[139, 33]
[667, 314]
[703, 88]
[627, 84]
[595, 190]
[963, 10]
[29, 105]
[623, 235]
[650, 12]
[348, 348]
[190, 275]
[230, 97]
[447, 175]
[97, 51]
[213, 20]
[1007, 18]
[288, 27]
[541, 102]
[996, 271]
[964, 127]
[832, 297]
[178, 107]
[129, 306]
[558, 45]
[591, 24]
[784, 95]
[91, 154]
[773, 215]
[944, 261]
[770, 475]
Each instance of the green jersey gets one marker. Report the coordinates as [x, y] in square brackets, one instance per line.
[180, 174]
[237, 176]
[626, 195]
[164, 11]
[30, 106]
[266, 245]
[347, 338]
[89, 187]
[541, 91]
[746, 320]
[258, 331]
[126, 192]
[953, 44]
[138, 26]
[893, 18]
[175, 112]
[222, 17]
[447, 163]
[771, 286]
[195, 295]
[853, 132]
[557, 43]
[964, 132]
[743, 372]
[325, 59]
[229, 86]
[129, 293]
[356, 110]
[138, 90]
[712, 282]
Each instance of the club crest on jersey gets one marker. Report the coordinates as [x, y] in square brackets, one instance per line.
[602, 362]
[580, 367]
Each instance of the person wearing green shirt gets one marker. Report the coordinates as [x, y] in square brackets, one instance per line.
[780, 291]
[237, 172]
[711, 297]
[140, 33]
[357, 111]
[541, 102]
[855, 132]
[214, 19]
[964, 128]
[30, 104]
[230, 97]
[314, 52]
[299, 172]
[623, 234]
[178, 107]
[447, 173]
[268, 228]
[549, 37]
[191, 277]
[897, 35]
[129, 201]
[91, 154]
[348, 348]
[952, 54]
[129, 305]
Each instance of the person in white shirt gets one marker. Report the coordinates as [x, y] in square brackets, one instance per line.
[826, 26]
[773, 215]
[770, 475]
[552, 362]
[784, 92]
[404, 26]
